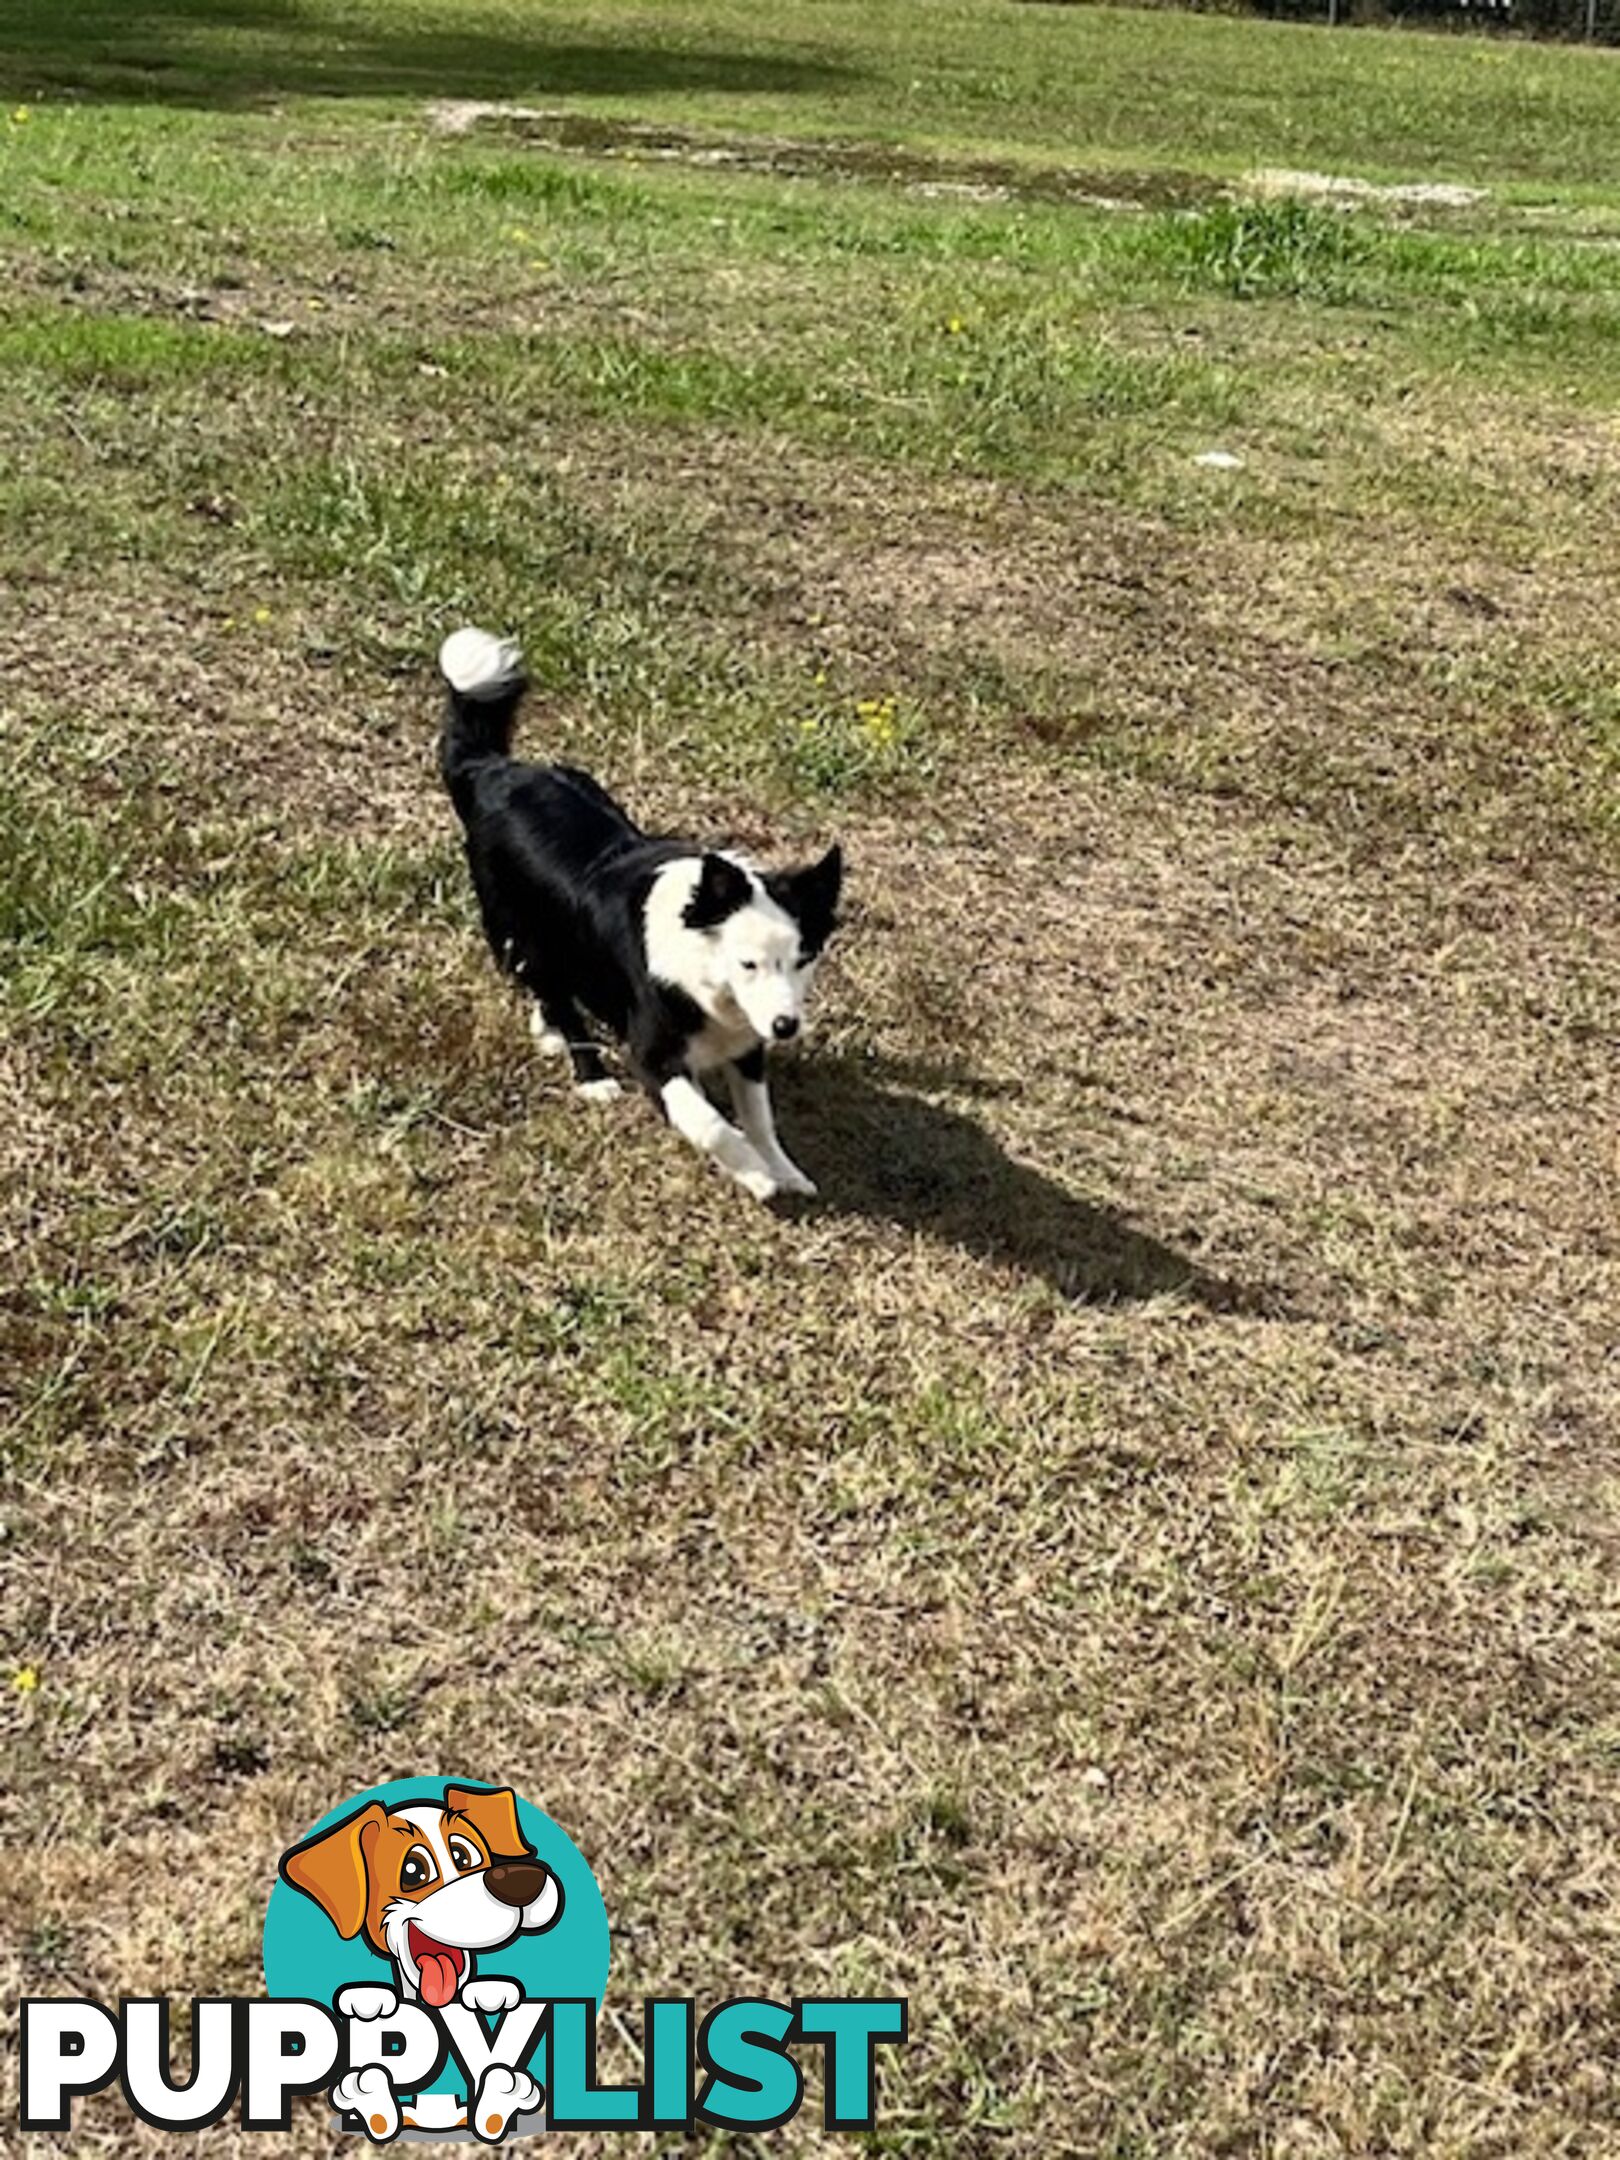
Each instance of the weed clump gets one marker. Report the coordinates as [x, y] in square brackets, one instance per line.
[1265, 250]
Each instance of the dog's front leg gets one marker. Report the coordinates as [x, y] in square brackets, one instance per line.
[751, 1099]
[696, 1119]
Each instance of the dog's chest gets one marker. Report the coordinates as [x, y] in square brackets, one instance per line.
[716, 1043]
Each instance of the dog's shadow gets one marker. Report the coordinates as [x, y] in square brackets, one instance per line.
[880, 1150]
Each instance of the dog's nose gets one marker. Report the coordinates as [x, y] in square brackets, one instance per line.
[515, 1882]
[784, 1027]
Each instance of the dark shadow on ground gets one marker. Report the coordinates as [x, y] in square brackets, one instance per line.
[879, 1151]
[242, 53]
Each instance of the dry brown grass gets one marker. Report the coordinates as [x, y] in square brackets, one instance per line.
[1125, 1570]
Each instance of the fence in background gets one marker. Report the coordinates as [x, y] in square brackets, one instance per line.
[1590, 21]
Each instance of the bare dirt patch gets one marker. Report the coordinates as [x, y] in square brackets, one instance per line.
[1347, 188]
[826, 158]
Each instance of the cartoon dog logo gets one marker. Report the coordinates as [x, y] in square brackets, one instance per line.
[430, 1886]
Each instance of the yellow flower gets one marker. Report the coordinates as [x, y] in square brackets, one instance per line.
[21, 115]
[954, 326]
[26, 1679]
[261, 614]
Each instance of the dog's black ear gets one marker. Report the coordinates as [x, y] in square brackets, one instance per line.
[827, 877]
[811, 897]
[722, 888]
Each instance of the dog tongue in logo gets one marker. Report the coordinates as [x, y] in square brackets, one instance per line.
[437, 1969]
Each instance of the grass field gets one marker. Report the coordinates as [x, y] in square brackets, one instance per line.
[1132, 1567]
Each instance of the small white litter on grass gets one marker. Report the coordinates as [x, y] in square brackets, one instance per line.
[1345, 187]
[1219, 460]
[967, 190]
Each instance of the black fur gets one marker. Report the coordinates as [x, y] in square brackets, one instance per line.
[562, 874]
[810, 896]
[722, 889]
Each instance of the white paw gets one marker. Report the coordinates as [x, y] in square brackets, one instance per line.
[758, 1182]
[368, 2094]
[792, 1179]
[491, 1995]
[366, 2003]
[599, 1090]
[503, 2095]
[547, 1040]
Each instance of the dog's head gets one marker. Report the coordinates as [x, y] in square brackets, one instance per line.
[429, 1884]
[765, 933]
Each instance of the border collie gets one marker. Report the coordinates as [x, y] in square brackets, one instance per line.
[693, 959]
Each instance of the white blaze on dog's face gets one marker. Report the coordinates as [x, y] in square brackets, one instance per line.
[430, 1885]
[444, 1907]
[761, 969]
[742, 945]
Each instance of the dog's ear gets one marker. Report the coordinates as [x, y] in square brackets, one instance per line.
[811, 896]
[722, 888]
[331, 1868]
[494, 1816]
[825, 879]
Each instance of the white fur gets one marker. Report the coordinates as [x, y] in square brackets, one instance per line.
[744, 973]
[463, 1913]
[550, 1044]
[546, 1039]
[751, 1099]
[430, 1821]
[479, 665]
[696, 1119]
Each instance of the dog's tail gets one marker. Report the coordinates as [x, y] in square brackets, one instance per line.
[485, 679]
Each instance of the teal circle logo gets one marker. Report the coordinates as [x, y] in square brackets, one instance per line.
[441, 1892]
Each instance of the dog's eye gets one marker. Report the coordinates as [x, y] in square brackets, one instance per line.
[464, 1856]
[750, 967]
[418, 1869]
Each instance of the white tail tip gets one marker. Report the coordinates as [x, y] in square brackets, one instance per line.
[480, 666]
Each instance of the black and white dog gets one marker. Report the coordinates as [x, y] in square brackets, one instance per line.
[694, 960]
